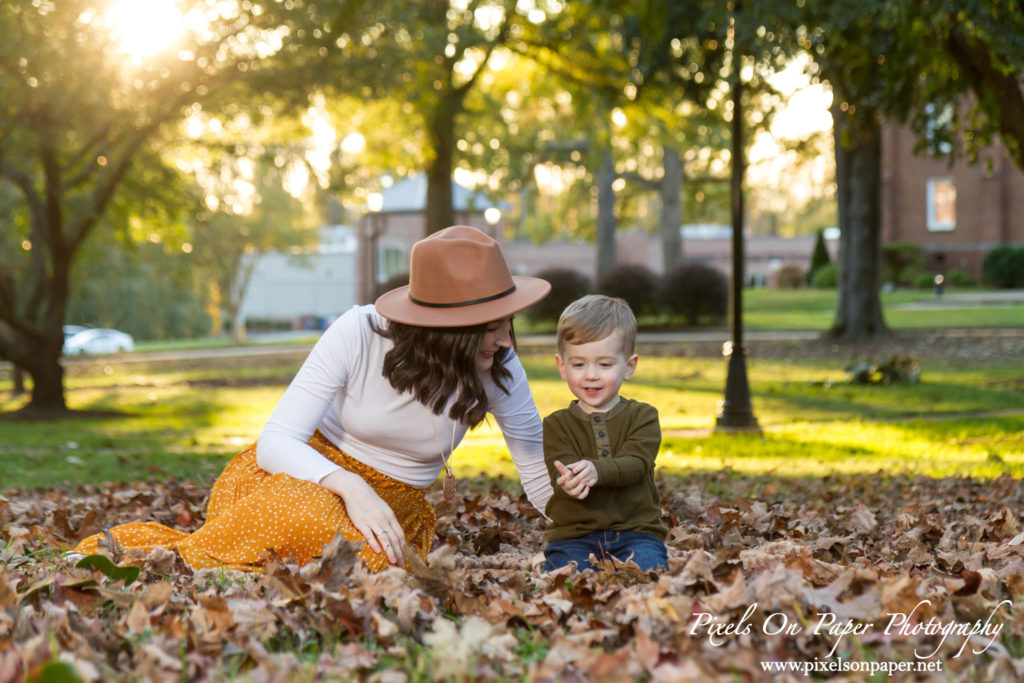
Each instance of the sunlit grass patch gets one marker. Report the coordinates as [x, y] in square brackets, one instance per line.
[687, 391]
[147, 431]
[814, 309]
[816, 423]
[936, 449]
[187, 423]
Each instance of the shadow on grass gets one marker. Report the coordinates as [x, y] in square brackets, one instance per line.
[101, 443]
[878, 401]
[33, 415]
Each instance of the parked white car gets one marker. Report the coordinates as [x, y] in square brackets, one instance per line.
[71, 330]
[97, 340]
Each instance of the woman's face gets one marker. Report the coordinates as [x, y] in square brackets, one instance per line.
[497, 336]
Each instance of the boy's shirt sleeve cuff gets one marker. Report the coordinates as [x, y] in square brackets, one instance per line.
[607, 471]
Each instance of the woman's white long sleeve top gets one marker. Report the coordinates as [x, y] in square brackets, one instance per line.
[341, 391]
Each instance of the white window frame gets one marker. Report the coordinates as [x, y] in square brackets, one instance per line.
[935, 224]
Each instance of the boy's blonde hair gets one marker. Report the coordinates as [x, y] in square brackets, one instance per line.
[594, 317]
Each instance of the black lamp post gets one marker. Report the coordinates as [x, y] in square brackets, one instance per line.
[737, 413]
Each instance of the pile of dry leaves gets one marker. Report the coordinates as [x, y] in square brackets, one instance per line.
[839, 576]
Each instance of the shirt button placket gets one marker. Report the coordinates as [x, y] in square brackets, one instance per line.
[601, 439]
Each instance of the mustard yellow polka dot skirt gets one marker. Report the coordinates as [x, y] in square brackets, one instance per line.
[251, 512]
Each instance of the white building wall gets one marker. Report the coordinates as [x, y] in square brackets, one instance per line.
[287, 287]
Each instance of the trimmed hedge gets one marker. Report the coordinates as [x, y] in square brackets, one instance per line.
[924, 280]
[567, 285]
[826, 277]
[901, 261]
[695, 290]
[791, 276]
[960, 278]
[637, 284]
[1003, 267]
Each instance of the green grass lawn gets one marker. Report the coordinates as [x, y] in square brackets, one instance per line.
[187, 424]
[814, 423]
[814, 309]
[763, 310]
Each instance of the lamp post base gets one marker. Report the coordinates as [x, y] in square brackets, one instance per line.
[737, 413]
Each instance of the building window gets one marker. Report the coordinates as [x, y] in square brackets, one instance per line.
[391, 261]
[941, 204]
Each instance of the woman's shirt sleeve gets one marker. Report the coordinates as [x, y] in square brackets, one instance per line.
[521, 426]
[282, 446]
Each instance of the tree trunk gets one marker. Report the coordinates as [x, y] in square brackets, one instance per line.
[39, 356]
[440, 213]
[671, 219]
[606, 251]
[47, 388]
[36, 348]
[18, 377]
[236, 291]
[858, 178]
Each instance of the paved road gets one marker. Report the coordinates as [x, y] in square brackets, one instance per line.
[277, 344]
[185, 354]
[1002, 297]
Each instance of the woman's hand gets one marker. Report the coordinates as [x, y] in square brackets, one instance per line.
[577, 479]
[374, 518]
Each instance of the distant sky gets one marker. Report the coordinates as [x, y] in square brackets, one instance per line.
[806, 110]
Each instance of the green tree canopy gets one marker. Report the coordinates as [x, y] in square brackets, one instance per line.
[79, 116]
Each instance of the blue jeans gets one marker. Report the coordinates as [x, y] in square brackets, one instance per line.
[645, 549]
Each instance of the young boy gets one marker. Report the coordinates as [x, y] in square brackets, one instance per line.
[600, 450]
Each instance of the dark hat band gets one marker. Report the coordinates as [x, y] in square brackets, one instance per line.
[460, 304]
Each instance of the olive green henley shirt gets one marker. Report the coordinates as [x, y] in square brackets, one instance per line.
[623, 444]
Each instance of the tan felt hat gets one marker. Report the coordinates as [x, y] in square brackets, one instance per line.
[458, 277]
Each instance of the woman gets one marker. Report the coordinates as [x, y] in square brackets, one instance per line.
[372, 417]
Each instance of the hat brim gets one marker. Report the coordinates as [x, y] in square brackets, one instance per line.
[396, 305]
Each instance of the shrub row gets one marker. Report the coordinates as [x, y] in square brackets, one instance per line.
[827, 277]
[1003, 267]
[903, 266]
[693, 290]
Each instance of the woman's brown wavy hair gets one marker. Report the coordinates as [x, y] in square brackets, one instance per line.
[436, 363]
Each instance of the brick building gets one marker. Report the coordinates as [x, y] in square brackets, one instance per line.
[958, 212]
[386, 236]
[709, 244]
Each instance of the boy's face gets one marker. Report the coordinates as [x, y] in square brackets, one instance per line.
[595, 371]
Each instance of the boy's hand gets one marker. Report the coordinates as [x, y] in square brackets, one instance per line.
[577, 479]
